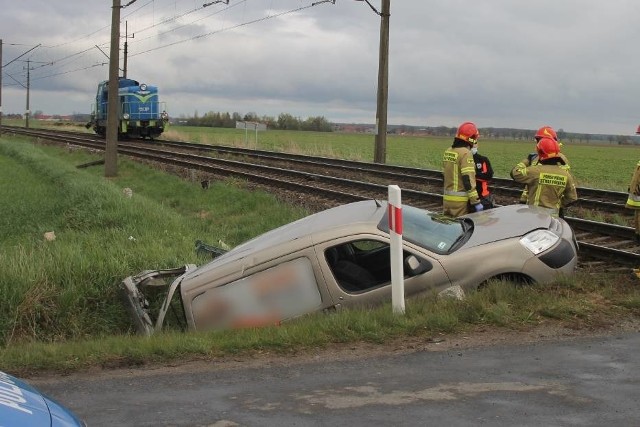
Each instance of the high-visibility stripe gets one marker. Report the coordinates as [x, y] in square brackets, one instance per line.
[395, 218]
[455, 198]
[452, 157]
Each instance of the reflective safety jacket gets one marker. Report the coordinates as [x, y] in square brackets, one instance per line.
[633, 202]
[459, 171]
[549, 183]
[484, 173]
[532, 160]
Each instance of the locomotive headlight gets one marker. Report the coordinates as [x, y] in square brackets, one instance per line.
[143, 86]
[125, 116]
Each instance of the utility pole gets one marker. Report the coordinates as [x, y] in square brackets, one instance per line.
[13, 60]
[126, 37]
[380, 152]
[0, 87]
[27, 112]
[111, 148]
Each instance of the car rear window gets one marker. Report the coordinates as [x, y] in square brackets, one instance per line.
[433, 231]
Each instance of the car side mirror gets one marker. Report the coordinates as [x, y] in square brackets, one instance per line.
[414, 266]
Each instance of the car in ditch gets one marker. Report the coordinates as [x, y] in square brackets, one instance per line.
[340, 258]
[21, 405]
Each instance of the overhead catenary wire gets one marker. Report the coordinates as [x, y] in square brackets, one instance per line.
[210, 33]
[171, 19]
[76, 55]
[190, 23]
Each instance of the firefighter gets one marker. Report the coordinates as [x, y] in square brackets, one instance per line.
[550, 184]
[633, 202]
[532, 158]
[484, 174]
[460, 194]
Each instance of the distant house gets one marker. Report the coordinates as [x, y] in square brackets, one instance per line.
[53, 117]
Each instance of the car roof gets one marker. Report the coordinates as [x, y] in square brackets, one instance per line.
[341, 217]
[342, 220]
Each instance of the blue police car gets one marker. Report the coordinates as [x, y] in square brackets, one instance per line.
[24, 406]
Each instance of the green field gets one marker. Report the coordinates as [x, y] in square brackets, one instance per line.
[599, 166]
[605, 166]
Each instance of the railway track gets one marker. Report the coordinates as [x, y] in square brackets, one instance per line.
[334, 181]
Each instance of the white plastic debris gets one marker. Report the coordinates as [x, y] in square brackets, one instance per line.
[452, 292]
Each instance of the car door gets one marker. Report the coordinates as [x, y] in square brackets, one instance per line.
[272, 293]
[357, 271]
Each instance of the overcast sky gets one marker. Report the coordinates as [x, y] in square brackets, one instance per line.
[571, 64]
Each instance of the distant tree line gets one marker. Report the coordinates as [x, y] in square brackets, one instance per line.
[284, 121]
[513, 134]
[38, 114]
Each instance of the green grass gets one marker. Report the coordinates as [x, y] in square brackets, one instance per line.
[499, 305]
[66, 288]
[59, 309]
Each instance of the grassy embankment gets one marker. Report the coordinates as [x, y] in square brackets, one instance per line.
[59, 308]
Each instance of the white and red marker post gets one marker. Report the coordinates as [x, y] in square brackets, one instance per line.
[395, 231]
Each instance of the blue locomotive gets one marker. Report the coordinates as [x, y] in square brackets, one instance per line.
[140, 113]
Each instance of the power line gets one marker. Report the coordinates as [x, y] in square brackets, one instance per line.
[15, 59]
[80, 53]
[192, 22]
[104, 44]
[166, 21]
[106, 27]
[264, 18]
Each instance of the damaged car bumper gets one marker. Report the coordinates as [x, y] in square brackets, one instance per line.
[137, 304]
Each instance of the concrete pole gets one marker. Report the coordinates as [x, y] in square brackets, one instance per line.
[380, 152]
[111, 149]
[28, 112]
[0, 87]
[126, 35]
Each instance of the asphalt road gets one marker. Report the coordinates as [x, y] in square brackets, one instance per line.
[585, 382]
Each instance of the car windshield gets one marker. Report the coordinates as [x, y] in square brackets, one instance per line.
[433, 231]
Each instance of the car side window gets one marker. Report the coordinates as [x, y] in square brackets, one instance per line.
[360, 265]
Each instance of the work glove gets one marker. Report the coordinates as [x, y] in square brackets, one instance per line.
[531, 157]
[478, 207]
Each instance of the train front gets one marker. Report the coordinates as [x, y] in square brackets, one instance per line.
[142, 114]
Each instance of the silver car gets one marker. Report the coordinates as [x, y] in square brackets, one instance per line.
[341, 258]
